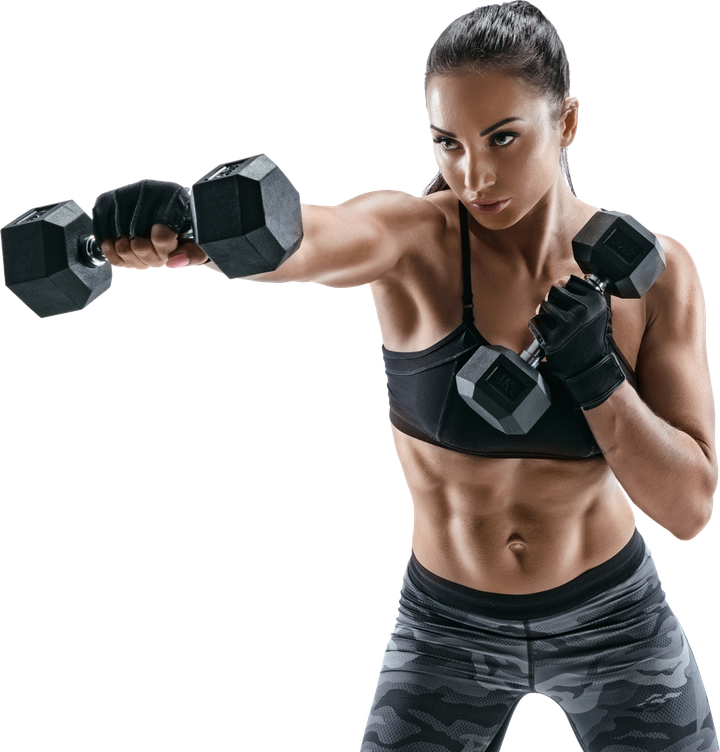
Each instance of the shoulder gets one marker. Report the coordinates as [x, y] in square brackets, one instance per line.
[674, 341]
[444, 203]
[680, 265]
[677, 293]
[397, 211]
[405, 225]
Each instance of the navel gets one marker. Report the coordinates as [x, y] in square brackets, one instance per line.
[516, 543]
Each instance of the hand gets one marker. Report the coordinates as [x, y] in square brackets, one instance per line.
[142, 225]
[573, 328]
[164, 247]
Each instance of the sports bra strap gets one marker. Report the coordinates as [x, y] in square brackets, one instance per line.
[467, 282]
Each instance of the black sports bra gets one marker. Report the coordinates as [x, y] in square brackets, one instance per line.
[425, 402]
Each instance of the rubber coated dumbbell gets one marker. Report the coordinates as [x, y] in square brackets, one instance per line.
[614, 251]
[246, 217]
[52, 262]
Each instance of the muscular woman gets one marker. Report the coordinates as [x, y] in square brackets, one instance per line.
[527, 573]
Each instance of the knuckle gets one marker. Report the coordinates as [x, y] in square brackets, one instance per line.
[140, 245]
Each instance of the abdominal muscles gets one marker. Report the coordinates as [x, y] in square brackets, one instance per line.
[513, 526]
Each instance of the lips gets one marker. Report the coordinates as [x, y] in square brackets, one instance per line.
[490, 207]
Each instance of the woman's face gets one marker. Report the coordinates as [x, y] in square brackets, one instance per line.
[497, 143]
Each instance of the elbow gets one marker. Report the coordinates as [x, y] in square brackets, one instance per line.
[694, 523]
[687, 534]
[698, 511]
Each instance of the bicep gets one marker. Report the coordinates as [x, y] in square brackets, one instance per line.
[672, 365]
[356, 242]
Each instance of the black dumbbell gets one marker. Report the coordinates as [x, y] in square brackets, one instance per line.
[505, 388]
[614, 251]
[52, 262]
[246, 217]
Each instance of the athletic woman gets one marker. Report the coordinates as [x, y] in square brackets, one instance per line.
[527, 573]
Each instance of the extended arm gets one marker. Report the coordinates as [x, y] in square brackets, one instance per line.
[358, 241]
[346, 245]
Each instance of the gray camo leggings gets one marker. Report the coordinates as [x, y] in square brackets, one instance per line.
[618, 664]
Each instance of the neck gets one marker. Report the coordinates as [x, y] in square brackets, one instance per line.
[541, 240]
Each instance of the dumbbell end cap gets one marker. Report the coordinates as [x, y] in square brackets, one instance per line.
[616, 248]
[502, 388]
[42, 260]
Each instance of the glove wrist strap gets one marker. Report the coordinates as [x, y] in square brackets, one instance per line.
[595, 385]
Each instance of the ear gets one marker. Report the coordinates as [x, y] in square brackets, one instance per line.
[569, 121]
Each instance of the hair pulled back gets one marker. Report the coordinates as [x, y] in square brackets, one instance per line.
[514, 38]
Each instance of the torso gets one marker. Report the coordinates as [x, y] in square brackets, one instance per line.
[499, 525]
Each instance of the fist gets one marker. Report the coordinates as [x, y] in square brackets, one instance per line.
[572, 326]
[143, 225]
[164, 247]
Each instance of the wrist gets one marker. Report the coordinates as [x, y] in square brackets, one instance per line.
[595, 384]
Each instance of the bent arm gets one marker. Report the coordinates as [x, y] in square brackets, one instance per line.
[358, 241]
[660, 443]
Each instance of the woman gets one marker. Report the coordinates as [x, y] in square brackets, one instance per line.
[527, 572]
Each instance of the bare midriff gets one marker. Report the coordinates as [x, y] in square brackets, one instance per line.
[512, 526]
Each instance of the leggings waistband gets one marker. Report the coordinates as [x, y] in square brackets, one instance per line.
[533, 605]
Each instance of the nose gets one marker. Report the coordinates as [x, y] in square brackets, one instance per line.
[479, 173]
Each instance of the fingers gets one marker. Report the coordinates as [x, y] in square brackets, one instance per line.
[135, 253]
[190, 251]
[132, 253]
[562, 282]
[569, 292]
[173, 251]
[162, 248]
[164, 240]
[108, 248]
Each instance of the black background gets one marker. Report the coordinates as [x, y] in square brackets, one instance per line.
[208, 521]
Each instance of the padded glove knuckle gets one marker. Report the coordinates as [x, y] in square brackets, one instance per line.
[133, 209]
[560, 296]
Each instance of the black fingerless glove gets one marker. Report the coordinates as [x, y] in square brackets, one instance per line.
[573, 329]
[133, 209]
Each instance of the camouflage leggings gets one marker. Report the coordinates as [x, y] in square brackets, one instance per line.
[618, 664]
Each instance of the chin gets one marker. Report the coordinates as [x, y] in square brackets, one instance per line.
[501, 221]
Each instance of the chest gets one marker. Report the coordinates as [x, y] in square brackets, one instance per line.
[502, 313]
[423, 305]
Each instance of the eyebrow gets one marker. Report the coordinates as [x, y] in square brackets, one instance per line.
[486, 132]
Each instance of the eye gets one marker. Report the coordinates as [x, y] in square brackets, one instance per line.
[503, 139]
[446, 143]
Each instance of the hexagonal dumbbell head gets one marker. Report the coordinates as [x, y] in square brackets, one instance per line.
[246, 216]
[43, 260]
[617, 248]
[501, 387]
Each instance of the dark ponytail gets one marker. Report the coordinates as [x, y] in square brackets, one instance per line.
[514, 38]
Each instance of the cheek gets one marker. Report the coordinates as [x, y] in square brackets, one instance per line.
[547, 150]
[538, 166]
[450, 167]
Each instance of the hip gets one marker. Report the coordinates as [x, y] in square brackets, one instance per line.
[620, 586]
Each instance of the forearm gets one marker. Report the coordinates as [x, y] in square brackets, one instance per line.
[666, 472]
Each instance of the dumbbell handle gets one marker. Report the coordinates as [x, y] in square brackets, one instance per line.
[91, 254]
[533, 354]
[598, 282]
